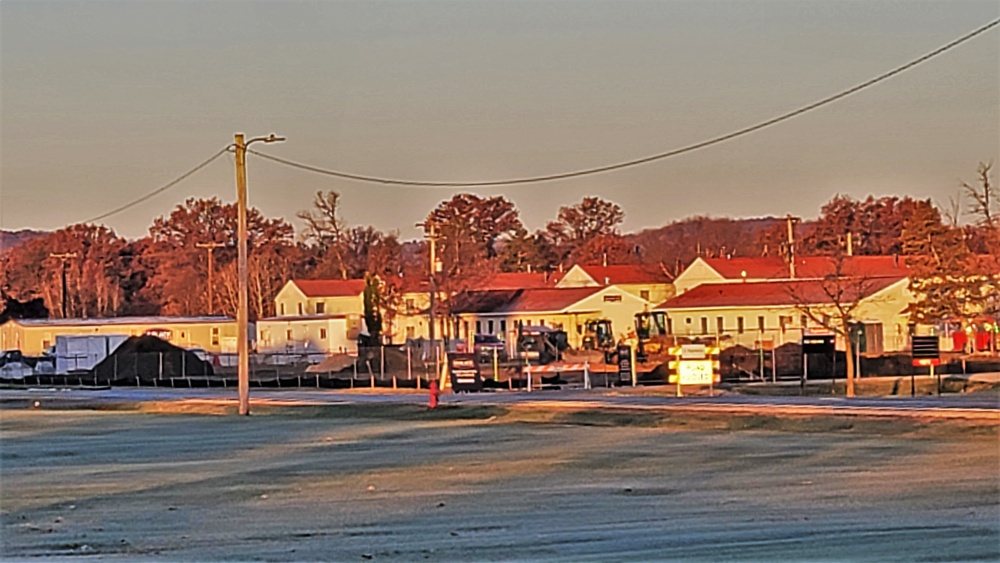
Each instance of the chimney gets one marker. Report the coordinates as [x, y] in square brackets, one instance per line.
[850, 244]
[604, 260]
[607, 280]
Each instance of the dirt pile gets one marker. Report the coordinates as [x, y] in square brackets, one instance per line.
[149, 357]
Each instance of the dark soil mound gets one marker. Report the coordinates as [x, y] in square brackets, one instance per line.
[149, 357]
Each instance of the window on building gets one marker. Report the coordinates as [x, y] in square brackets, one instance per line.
[805, 321]
[300, 308]
[322, 334]
[760, 324]
[612, 298]
[720, 326]
[215, 336]
[282, 308]
[410, 333]
[687, 320]
[644, 293]
[739, 325]
[479, 327]
[465, 329]
[541, 322]
[704, 325]
[784, 321]
[670, 326]
[288, 335]
[503, 326]
[320, 308]
[410, 306]
[489, 327]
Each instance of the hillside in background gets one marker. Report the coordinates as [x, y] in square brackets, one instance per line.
[11, 239]
[678, 243]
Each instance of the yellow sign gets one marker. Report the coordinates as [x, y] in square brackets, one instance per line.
[696, 372]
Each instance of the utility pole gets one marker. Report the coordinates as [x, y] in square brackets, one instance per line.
[432, 238]
[64, 256]
[210, 247]
[791, 244]
[242, 314]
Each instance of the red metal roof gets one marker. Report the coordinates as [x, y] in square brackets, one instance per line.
[772, 267]
[521, 301]
[488, 282]
[777, 293]
[330, 288]
[550, 299]
[519, 280]
[619, 274]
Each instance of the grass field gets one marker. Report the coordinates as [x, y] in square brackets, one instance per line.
[396, 482]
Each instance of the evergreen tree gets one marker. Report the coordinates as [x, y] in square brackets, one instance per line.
[373, 309]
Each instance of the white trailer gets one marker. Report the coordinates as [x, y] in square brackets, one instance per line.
[82, 353]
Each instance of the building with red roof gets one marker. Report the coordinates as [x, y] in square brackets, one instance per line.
[499, 312]
[647, 281]
[320, 297]
[768, 268]
[778, 311]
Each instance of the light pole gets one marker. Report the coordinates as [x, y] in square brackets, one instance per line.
[242, 315]
[432, 237]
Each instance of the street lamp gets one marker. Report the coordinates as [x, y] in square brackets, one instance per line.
[242, 316]
[431, 234]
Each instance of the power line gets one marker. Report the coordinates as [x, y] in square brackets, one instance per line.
[647, 159]
[161, 189]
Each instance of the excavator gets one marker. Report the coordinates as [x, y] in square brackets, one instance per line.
[651, 331]
[598, 335]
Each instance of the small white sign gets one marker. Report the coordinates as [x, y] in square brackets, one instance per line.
[693, 351]
[695, 372]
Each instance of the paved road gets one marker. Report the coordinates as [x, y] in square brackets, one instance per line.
[980, 406]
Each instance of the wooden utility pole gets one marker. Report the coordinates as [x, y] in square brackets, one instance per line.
[432, 234]
[242, 314]
[210, 247]
[64, 256]
[791, 244]
[242, 320]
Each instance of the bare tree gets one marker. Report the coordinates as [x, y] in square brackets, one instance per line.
[983, 197]
[325, 227]
[834, 302]
[953, 215]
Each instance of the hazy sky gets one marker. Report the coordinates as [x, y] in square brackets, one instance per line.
[103, 102]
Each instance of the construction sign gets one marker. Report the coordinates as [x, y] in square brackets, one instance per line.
[694, 364]
[464, 371]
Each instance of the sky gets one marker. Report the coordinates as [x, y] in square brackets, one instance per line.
[103, 102]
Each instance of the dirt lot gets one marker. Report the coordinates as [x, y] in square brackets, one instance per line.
[355, 483]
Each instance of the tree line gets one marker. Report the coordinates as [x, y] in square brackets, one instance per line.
[167, 271]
